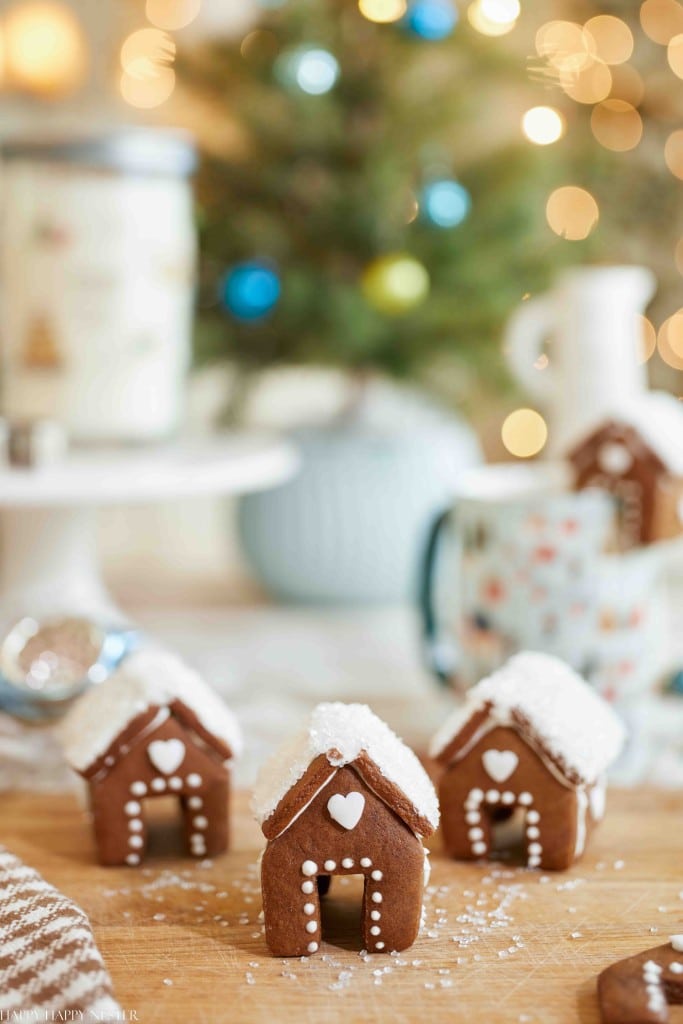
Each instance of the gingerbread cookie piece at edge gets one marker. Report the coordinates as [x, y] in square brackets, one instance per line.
[640, 989]
[532, 738]
[153, 729]
[345, 796]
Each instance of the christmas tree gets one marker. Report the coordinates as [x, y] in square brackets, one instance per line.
[378, 207]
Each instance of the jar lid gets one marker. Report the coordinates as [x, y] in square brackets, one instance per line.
[130, 150]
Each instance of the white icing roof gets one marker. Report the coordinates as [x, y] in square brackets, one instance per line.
[576, 726]
[350, 729]
[147, 678]
[658, 418]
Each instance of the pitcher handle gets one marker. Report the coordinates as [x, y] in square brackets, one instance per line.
[525, 333]
[441, 657]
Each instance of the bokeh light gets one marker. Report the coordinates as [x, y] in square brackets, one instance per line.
[616, 125]
[172, 14]
[543, 125]
[524, 433]
[396, 283]
[446, 203]
[489, 16]
[589, 84]
[250, 291]
[382, 11]
[564, 45]
[313, 70]
[661, 19]
[674, 53]
[627, 84]
[572, 212]
[432, 19]
[648, 336]
[45, 48]
[145, 52]
[670, 340]
[611, 40]
[146, 89]
[673, 153]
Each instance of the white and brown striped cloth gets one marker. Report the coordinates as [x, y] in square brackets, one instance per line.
[48, 958]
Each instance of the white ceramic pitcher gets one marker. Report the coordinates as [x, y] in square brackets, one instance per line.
[591, 320]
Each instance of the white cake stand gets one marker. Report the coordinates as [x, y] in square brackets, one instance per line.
[49, 561]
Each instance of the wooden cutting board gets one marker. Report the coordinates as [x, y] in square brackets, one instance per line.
[183, 940]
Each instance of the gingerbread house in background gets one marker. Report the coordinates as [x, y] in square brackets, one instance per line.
[344, 797]
[637, 455]
[529, 747]
[154, 728]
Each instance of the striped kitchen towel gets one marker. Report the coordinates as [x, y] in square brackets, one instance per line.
[49, 963]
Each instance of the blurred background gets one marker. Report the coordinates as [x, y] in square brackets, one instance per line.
[344, 252]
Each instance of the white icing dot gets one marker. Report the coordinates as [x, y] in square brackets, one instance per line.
[676, 968]
[534, 862]
[138, 788]
[533, 817]
[476, 795]
[175, 783]
[347, 862]
[492, 796]
[476, 833]
[309, 908]
[377, 876]
[677, 942]
[473, 817]
[535, 849]
[195, 803]
[200, 822]
[312, 947]
[135, 825]
[194, 780]
[479, 848]
[132, 808]
[132, 858]
[379, 945]
[109, 761]
[309, 867]
[311, 926]
[330, 865]
[307, 887]
[135, 842]
[525, 799]
[365, 862]
[375, 930]
[375, 915]
[508, 797]
[159, 785]
[533, 832]
[377, 897]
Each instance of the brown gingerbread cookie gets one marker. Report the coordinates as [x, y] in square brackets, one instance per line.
[345, 796]
[640, 989]
[154, 728]
[531, 743]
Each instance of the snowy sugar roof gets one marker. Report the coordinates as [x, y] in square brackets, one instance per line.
[658, 418]
[576, 727]
[348, 730]
[148, 678]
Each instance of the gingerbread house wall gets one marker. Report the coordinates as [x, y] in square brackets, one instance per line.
[380, 846]
[555, 815]
[201, 782]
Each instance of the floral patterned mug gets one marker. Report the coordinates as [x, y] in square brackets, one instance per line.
[513, 565]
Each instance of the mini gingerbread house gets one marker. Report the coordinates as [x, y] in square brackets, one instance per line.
[637, 455]
[640, 989]
[154, 728]
[531, 743]
[344, 797]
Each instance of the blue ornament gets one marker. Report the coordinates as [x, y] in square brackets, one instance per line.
[446, 203]
[431, 19]
[250, 290]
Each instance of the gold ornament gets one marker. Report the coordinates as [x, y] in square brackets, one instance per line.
[395, 284]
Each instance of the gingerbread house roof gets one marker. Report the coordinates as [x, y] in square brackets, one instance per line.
[657, 417]
[550, 705]
[147, 679]
[336, 735]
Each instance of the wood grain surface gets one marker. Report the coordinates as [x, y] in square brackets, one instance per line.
[183, 939]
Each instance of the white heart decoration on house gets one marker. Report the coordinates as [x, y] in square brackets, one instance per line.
[166, 755]
[499, 764]
[346, 810]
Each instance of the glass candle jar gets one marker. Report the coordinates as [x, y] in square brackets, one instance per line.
[97, 256]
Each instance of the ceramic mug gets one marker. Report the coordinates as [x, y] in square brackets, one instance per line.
[522, 559]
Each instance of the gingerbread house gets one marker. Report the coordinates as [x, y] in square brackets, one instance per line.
[343, 797]
[637, 455]
[640, 989]
[524, 763]
[153, 729]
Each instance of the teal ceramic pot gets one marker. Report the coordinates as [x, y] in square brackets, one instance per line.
[350, 528]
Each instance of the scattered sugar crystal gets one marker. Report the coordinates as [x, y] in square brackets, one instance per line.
[619, 864]
[168, 981]
[575, 935]
[250, 978]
